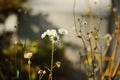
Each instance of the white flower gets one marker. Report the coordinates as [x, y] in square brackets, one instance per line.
[28, 55]
[53, 35]
[51, 32]
[44, 35]
[108, 37]
[63, 31]
[54, 39]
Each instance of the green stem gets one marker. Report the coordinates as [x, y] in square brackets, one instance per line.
[1, 75]
[51, 62]
[41, 76]
[29, 67]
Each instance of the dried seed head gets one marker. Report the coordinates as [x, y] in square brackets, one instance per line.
[101, 18]
[44, 72]
[80, 31]
[29, 62]
[96, 37]
[84, 23]
[58, 64]
[78, 19]
[15, 26]
[40, 71]
[91, 31]
[114, 9]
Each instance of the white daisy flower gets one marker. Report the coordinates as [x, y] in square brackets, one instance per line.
[54, 39]
[53, 35]
[51, 32]
[63, 31]
[28, 55]
[44, 35]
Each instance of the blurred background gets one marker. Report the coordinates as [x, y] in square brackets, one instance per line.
[25, 20]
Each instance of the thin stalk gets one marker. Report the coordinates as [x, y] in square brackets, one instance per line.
[41, 76]
[84, 45]
[85, 50]
[90, 13]
[101, 62]
[29, 67]
[74, 3]
[51, 68]
[92, 57]
[16, 62]
[1, 75]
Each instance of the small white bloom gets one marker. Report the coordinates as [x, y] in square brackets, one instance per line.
[53, 35]
[108, 37]
[51, 32]
[63, 31]
[54, 39]
[28, 55]
[44, 35]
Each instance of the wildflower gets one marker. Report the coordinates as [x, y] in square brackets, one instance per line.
[63, 31]
[108, 37]
[54, 39]
[53, 35]
[44, 35]
[49, 33]
[28, 55]
[58, 64]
